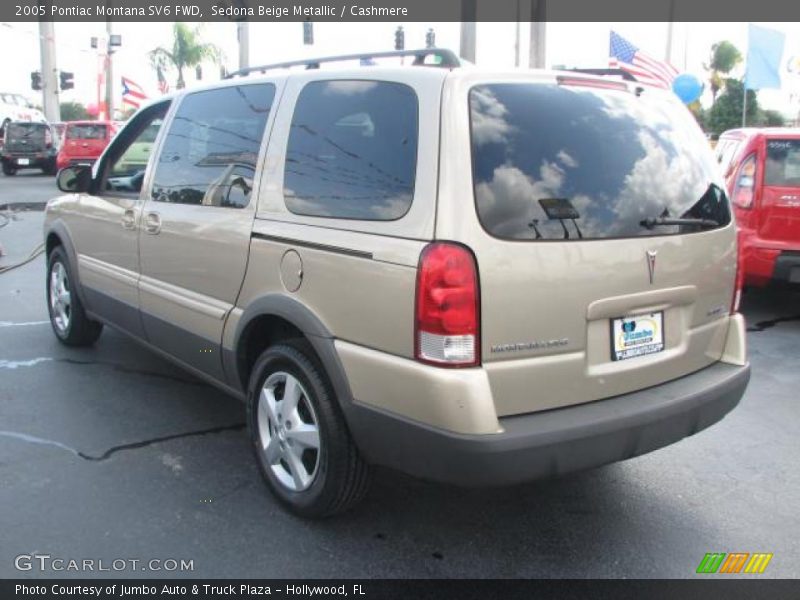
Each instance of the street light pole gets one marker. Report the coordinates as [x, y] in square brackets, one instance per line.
[536, 56]
[109, 68]
[469, 10]
[243, 35]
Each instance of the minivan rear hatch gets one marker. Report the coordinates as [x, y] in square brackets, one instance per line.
[605, 247]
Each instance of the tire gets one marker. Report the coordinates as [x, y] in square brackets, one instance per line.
[333, 477]
[8, 170]
[50, 169]
[67, 316]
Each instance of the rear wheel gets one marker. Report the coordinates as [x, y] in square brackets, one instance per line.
[67, 316]
[9, 169]
[301, 442]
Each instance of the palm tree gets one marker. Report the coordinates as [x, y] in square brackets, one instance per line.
[187, 51]
[724, 58]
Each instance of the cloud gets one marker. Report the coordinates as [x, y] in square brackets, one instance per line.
[489, 125]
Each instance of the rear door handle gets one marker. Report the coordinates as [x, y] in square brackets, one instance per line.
[152, 223]
[129, 220]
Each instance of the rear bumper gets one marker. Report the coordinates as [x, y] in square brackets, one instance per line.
[35, 161]
[764, 264]
[787, 268]
[553, 442]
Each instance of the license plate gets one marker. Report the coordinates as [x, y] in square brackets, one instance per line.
[637, 336]
[23, 161]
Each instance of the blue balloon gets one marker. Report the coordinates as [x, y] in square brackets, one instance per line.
[687, 87]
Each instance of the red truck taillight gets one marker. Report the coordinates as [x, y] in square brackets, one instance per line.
[447, 331]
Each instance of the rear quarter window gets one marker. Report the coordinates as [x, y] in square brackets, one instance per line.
[352, 150]
[782, 167]
[553, 162]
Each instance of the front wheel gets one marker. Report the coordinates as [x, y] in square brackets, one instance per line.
[67, 316]
[301, 442]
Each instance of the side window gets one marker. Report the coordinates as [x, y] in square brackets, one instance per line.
[126, 159]
[210, 151]
[352, 150]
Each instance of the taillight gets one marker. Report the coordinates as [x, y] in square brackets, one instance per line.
[446, 331]
[744, 189]
[48, 138]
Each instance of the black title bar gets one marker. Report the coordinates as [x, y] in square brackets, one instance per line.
[399, 10]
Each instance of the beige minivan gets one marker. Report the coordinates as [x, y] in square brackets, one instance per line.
[475, 277]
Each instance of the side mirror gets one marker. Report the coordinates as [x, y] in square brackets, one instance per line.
[74, 180]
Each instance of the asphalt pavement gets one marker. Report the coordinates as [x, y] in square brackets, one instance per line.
[112, 453]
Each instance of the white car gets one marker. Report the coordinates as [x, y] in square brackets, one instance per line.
[16, 107]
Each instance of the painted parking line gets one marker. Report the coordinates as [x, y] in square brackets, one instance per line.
[23, 323]
[16, 364]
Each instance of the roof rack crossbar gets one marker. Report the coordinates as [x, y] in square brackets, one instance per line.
[448, 60]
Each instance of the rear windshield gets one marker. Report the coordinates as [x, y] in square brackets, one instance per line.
[783, 163]
[86, 132]
[28, 131]
[554, 162]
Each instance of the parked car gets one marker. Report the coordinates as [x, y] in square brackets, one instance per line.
[59, 127]
[476, 277]
[137, 154]
[84, 141]
[16, 107]
[29, 145]
[762, 173]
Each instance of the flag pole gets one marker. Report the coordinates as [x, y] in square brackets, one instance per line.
[744, 104]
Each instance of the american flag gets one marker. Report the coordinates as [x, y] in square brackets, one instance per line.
[132, 93]
[624, 55]
[163, 86]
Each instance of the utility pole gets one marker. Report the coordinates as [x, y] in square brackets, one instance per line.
[670, 27]
[47, 48]
[516, 36]
[469, 14]
[536, 56]
[243, 35]
[109, 68]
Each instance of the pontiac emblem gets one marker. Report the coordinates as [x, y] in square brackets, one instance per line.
[651, 264]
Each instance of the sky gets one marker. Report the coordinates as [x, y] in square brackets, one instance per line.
[569, 44]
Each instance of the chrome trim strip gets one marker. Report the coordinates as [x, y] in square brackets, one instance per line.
[312, 245]
[107, 269]
[199, 303]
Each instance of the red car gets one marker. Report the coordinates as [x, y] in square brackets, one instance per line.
[84, 142]
[762, 174]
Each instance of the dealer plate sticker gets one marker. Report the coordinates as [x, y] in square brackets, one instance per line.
[637, 336]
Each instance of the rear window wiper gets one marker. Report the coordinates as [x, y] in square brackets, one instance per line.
[668, 221]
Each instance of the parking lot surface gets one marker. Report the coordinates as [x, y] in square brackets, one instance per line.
[112, 453]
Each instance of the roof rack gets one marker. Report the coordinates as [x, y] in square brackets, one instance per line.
[607, 73]
[448, 60]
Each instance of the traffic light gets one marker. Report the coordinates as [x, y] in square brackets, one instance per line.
[430, 39]
[67, 82]
[198, 73]
[36, 80]
[399, 39]
[308, 33]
